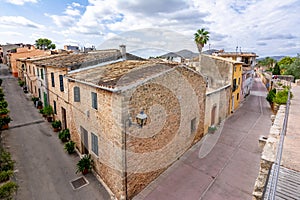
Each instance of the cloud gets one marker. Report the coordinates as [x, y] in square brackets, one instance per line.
[153, 7]
[278, 36]
[21, 2]
[261, 44]
[17, 21]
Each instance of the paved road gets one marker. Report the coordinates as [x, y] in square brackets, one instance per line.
[44, 168]
[230, 169]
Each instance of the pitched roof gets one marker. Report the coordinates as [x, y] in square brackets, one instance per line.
[121, 74]
[75, 61]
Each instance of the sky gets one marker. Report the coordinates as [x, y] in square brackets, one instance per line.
[152, 27]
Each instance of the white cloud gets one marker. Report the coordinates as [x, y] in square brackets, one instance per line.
[21, 2]
[17, 21]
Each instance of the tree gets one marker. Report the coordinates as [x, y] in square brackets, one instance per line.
[267, 62]
[286, 61]
[276, 70]
[201, 38]
[44, 43]
[294, 68]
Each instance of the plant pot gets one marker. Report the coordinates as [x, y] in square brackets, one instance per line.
[49, 119]
[85, 171]
[56, 129]
[4, 127]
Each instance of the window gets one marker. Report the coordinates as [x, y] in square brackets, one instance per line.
[54, 107]
[237, 96]
[94, 143]
[76, 94]
[38, 72]
[42, 74]
[29, 69]
[33, 70]
[234, 85]
[52, 79]
[94, 100]
[239, 81]
[193, 125]
[61, 83]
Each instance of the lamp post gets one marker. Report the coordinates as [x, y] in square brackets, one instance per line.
[141, 119]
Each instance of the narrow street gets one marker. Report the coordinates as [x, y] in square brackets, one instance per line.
[43, 168]
[229, 171]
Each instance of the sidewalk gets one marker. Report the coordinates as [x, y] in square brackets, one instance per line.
[291, 146]
[43, 169]
[229, 170]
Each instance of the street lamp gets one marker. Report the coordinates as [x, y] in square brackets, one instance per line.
[141, 119]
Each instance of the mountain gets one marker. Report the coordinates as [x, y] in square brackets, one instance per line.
[277, 58]
[183, 53]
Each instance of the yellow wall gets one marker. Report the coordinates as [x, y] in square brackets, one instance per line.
[236, 95]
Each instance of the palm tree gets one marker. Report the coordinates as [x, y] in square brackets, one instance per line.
[201, 38]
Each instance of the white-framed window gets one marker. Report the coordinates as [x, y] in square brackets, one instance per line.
[94, 143]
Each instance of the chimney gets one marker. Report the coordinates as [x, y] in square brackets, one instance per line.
[123, 51]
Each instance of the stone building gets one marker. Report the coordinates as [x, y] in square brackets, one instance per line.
[249, 61]
[5, 48]
[24, 51]
[135, 118]
[223, 77]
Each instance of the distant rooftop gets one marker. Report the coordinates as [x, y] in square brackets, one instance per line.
[246, 54]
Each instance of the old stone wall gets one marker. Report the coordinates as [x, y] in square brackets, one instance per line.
[60, 97]
[23, 54]
[105, 123]
[175, 105]
[268, 155]
[219, 99]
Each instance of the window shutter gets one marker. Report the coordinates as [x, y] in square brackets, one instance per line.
[94, 100]
[61, 82]
[76, 94]
[52, 79]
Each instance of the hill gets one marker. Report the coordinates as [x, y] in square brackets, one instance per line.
[183, 53]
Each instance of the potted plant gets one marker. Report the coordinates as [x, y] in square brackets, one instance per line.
[39, 104]
[64, 135]
[35, 99]
[3, 104]
[48, 111]
[3, 112]
[21, 83]
[70, 147]
[56, 125]
[85, 164]
[1, 96]
[4, 121]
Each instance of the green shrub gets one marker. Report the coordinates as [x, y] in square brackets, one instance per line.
[5, 175]
[6, 163]
[56, 124]
[7, 189]
[64, 135]
[21, 83]
[3, 104]
[3, 111]
[271, 95]
[4, 120]
[48, 110]
[70, 147]
[282, 97]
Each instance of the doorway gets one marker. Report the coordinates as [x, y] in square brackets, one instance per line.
[64, 118]
[84, 141]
